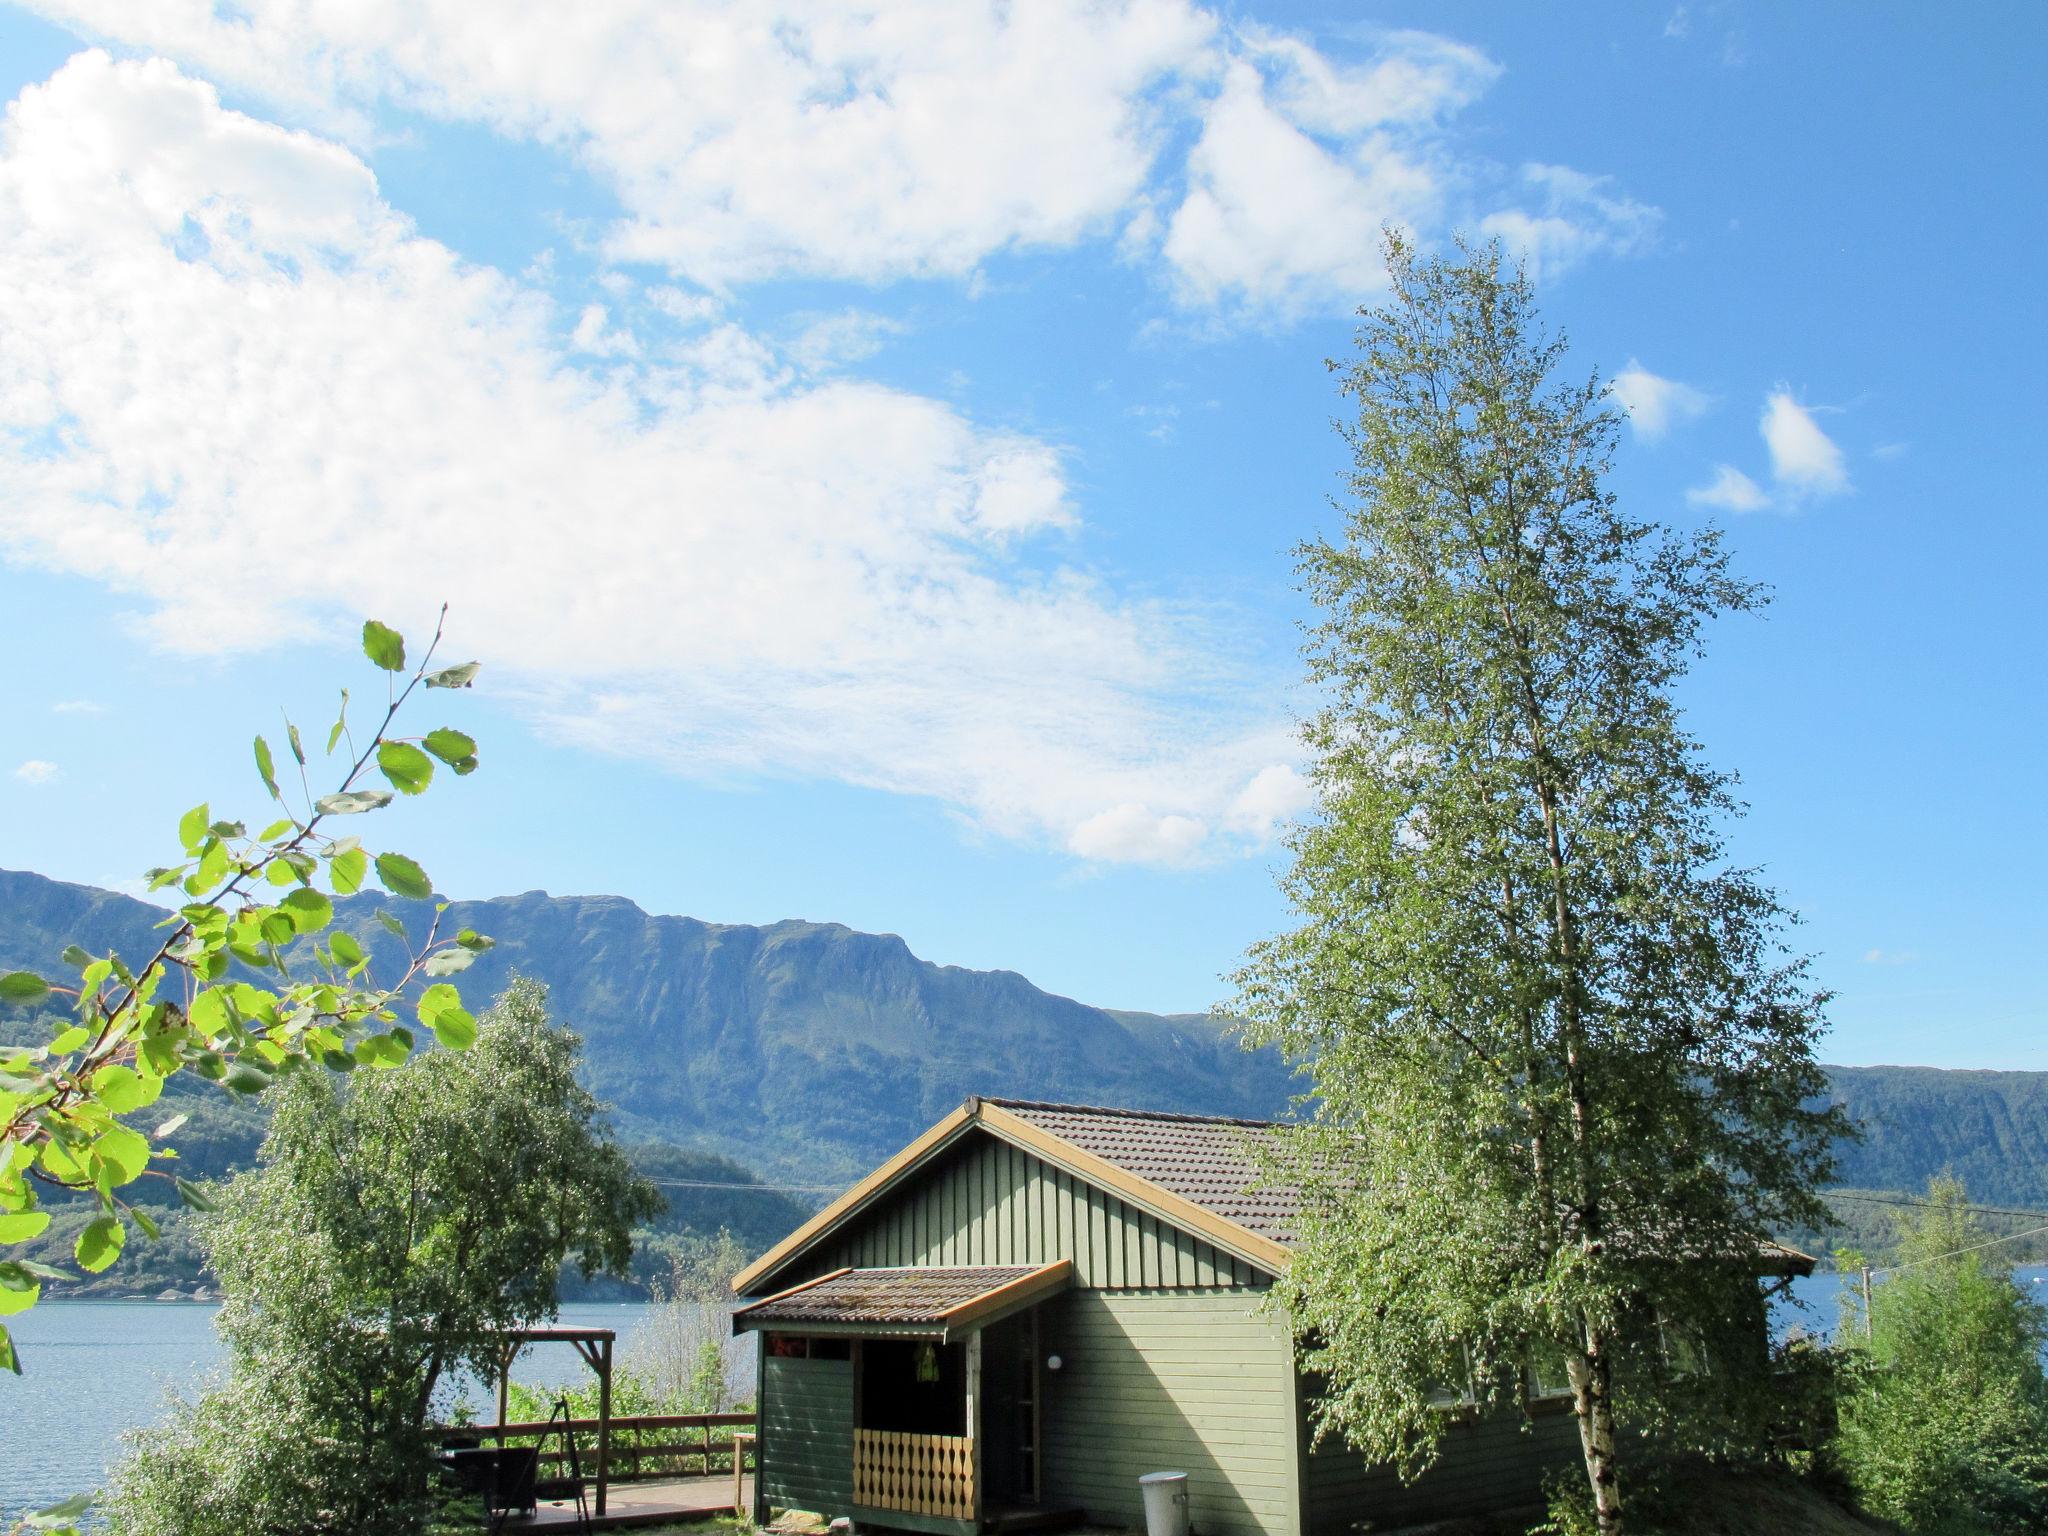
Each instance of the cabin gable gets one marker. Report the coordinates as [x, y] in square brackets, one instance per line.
[985, 1200]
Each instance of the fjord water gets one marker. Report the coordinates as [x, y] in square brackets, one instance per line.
[92, 1370]
[95, 1370]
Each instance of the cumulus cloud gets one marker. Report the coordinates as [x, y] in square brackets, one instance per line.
[1804, 460]
[37, 771]
[219, 349]
[1654, 404]
[922, 138]
[1730, 490]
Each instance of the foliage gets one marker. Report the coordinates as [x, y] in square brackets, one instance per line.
[1561, 1061]
[396, 1223]
[254, 907]
[1945, 1426]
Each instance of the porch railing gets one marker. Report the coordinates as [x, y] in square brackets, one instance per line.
[914, 1474]
[643, 1445]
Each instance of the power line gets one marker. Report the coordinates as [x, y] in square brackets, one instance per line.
[1958, 1253]
[1931, 1205]
[766, 1189]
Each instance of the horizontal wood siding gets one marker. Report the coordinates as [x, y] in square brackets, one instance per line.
[989, 1202]
[1171, 1381]
[806, 1450]
[1488, 1464]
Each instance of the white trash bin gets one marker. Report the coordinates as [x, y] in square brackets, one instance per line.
[1166, 1503]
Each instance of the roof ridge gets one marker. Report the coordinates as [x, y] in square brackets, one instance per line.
[1177, 1116]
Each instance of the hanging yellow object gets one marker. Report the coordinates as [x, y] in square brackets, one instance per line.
[928, 1363]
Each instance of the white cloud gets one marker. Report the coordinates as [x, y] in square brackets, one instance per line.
[1574, 216]
[1890, 956]
[1731, 490]
[36, 771]
[1804, 459]
[1655, 405]
[1275, 795]
[77, 707]
[744, 141]
[693, 556]
[833, 341]
[747, 140]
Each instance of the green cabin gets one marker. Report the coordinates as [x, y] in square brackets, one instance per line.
[1032, 1305]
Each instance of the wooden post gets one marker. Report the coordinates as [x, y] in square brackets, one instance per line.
[1866, 1301]
[504, 1384]
[761, 1422]
[604, 1420]
[974, 1421]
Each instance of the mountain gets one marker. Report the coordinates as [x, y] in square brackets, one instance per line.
[806, 1050]
[810, 1051]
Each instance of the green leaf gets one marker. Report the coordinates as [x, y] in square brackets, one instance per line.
[22, 1225]
[352, 802]
[469, 938]
[340, 724]
[126, 1150]
[391, 924]
[119, 1088]
[65, 1513]
[291, 733]
[195, 1195]
[8, 1358]
[435, 1000]
[147, 1222]
[276, 829]
[454, 677]
[402, 877]
[454, 1028]
[69, 1040]
[452, 747]
[266, 769]
[192, 828]
[75, 957]
[309, 910]
[384, 646]
[405, 765]
[169, 1127]
[346, 870]
[100, 1243]
[246, 1077]
[18, 1288]
[23, 987]
[449, 962]
[345, 949]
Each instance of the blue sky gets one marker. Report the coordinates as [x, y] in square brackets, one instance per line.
[865, 454]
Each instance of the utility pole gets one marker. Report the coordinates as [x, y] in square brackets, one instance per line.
[1866, 1301]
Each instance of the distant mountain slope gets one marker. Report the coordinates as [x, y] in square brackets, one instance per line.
[1988, 1128]
[806, 1050]
[811, 1052]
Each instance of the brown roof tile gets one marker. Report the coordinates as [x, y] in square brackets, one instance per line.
[1207, 1159]
[887, 1297]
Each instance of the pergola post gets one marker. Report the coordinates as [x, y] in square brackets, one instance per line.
[604, 1419]
[504, 1384]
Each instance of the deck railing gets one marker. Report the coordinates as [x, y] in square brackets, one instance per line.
[914, 1474]
[643, 1445]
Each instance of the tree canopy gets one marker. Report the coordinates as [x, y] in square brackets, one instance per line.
[397, 1223]
[1561, 1059]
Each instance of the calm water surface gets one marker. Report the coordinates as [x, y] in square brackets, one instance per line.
[93, 1370]
[97, 1369]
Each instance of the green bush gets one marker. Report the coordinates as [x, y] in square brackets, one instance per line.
[1944, 1417]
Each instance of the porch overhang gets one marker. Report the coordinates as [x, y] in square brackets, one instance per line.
[939, 1303]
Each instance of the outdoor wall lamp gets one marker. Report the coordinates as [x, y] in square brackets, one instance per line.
[1053, 1362]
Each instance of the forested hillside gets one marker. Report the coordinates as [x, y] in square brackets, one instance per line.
[808, 1052]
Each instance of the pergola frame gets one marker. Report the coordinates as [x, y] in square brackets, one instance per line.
[595, 1346]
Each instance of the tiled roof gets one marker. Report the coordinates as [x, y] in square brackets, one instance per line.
[1203, 1158]
[888, 1297]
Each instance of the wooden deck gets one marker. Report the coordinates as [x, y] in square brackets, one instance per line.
[668, 1501]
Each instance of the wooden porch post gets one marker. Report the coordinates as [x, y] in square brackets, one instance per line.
[604, 1420]
[974, 1420]
[505, 1355]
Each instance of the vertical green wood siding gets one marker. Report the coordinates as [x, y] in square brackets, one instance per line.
[1487, 1465]
[992, 1203]
[806, 1420]
[1190, 1381]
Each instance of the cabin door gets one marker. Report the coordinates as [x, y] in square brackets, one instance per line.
[1010, 1412]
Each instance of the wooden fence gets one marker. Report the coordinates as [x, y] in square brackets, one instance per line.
[644, 1445]
[914, 1474]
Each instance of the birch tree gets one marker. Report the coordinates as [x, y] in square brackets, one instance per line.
[1563, 1064]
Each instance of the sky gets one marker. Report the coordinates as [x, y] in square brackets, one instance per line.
[865, 451]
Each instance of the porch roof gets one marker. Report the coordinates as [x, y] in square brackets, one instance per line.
[934, 1303]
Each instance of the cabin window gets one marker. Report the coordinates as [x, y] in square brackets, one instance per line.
[1547, 1375]
[1451, 1397]
[798, 1346]
[913, 1386]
